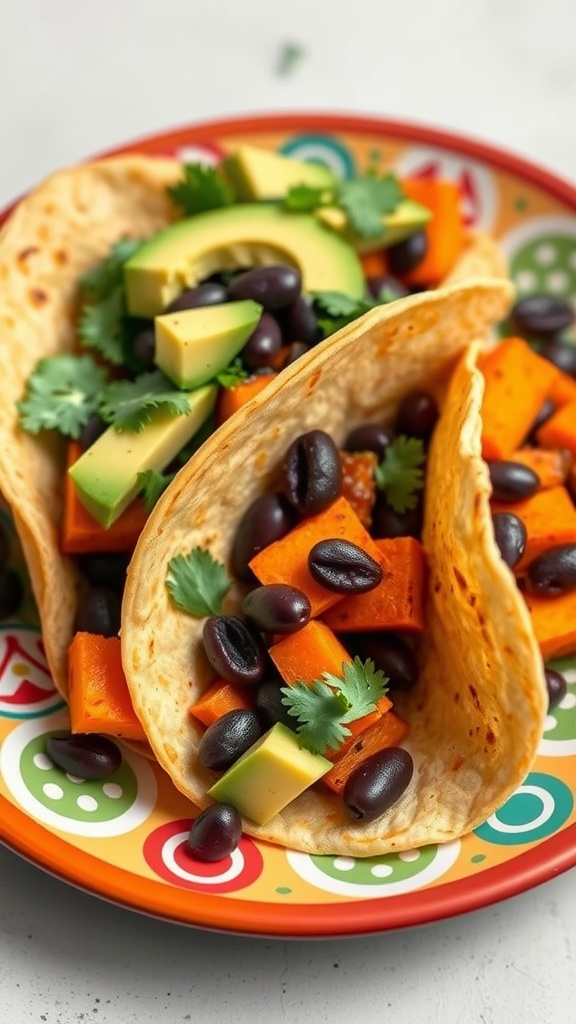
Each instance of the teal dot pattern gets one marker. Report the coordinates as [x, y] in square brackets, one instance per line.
[538, 808]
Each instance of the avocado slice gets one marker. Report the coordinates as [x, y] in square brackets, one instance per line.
[408, 217]
[235, 237]
[193, 345]
[106, 475]
[272, 773]
[259, 174]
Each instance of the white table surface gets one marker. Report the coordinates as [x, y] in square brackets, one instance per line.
[76, 77]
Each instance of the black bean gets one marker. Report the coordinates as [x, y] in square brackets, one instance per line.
[562, 354]
[387, 283]
[208, 294]
[369, 437]
[4, 548]
[226, 739]
[510, 535]
[264, 343]
[390, 654]
[542, 315]
[388, 523]
[104, 569]
[87, 755]
[267, 519]
[512, 481]
[406, 255]
[554, 572]
[98, 612]
[234, 649]
[312, 472]
[144, 346]
[274, 287]
[11, 593]
[91, 431]
[556, 686]
[270, 707]
[296, 349]
[377, 783]
[299, 322]
[277, 608]
[417, 415]
[216, 833]
[343, 567]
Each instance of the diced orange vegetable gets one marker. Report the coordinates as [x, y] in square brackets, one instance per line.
[231, 399]
[563, 390]
[444, 232]
[220, 698]
[550, 519]
[560, 430]
[374, 264]
[358, 727]
[554, 623]
[552, 465]
[286, 560]
[388, 731]
[81, 533]
[305, 655]
[98, 694]
[517, 382]
[398, 602]
[358, 483]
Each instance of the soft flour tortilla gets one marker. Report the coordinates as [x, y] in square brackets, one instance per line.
[55, 234]
[478, 710]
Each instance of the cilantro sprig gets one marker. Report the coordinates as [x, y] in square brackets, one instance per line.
[129, 405]
[365, 200]
[336, 309]
[61, 394]
[400, 474]
[152, 485]
[201, 188]
[325, 707]
[102, 319]
[232, 374]
[197, 582]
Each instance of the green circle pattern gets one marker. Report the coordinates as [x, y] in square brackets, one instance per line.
[546, 264]
[565, 717]
[392, 867]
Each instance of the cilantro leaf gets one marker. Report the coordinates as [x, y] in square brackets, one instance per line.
[342, 309]
[367, 199]
[100, 326]
[201, 188]
[400, 475]
[306, 198]
[324, 707]
[129, 405]
[290, 55]
[232, 374]
[197, 582]
[152, 485]
[107, 275]
[61, 394]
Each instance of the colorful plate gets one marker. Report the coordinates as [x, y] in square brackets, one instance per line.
[124, 839]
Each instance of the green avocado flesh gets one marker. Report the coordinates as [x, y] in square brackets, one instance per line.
[259, 174]
[106, 475]
[272, 773]
[193, 345]
[408, 217]
[236, 237]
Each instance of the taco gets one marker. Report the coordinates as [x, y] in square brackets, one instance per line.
[52, 239]
[476, 714]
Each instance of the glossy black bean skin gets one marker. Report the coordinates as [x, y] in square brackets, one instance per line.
[388, 523]
[216, 833]
[107, 569]
[343, 567]
[556, 686]
[512, 481]
[369, 437]
[98, 612]
[406, 255]
[270, 517]
[274, 287]
[554, 572]
[378, 783]
[87, 755]
[417, 415]
[91, 431]
[390, 654]
[510, 535]
[312, 472]
[297, 349]
[299, 322]
[234, 649]
[226, 739]
[264, 343]
[210, 293]
[11, 593]
[562, 354]
[542, 315]
[277, 608]
[269, 705]
[387, 283]
[144, 346]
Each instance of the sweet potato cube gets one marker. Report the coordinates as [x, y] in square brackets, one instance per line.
[554, 623]
[307, 654]
[220, 698]
[98, 694]
[388, 731]
[517, 382]
[551, 465]
[232, 399]
[560, 430]
[80, 533]
[563, 390]
[550, 520]
[358, 482]
[398, 602]
[286, 560]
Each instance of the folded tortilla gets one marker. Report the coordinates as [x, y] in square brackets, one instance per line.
[476, 714]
